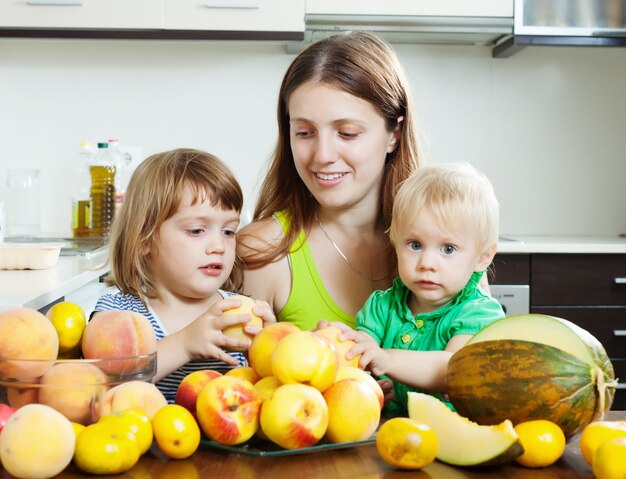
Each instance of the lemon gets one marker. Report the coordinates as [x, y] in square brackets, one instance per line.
[598, 432]
[608, 460]
[406, 443]
[106, 448]
[137, 422]
[78, 427]
[543, 442]
[69, 321]
[176, 431]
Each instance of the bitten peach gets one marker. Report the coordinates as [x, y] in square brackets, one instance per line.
[119, 334]
[26, 334]
[237, 331]
[71, 388]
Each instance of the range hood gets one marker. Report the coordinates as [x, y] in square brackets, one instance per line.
[600, 23]
[412, 28]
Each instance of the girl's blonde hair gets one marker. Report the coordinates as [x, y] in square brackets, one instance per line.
[153, 195]
[363, 65]
[453, 193]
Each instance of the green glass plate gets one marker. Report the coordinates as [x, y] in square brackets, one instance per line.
[257, 447]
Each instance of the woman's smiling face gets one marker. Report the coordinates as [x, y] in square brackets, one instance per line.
[339, 144]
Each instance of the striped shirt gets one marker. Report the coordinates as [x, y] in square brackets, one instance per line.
[169, 384]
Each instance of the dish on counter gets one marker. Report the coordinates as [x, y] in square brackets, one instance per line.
[29, 255]
[257, 447]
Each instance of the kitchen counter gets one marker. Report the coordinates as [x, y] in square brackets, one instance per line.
[562, 244]
[357, 462]
[38, 288]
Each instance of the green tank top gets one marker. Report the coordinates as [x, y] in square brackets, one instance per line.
[308, 301]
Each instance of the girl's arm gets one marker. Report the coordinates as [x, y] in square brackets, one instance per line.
[425, 370]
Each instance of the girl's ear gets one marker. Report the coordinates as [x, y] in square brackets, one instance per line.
[486, 258]
[395, 136]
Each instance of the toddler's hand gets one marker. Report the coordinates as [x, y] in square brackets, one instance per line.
[373, 357]
[264, 311]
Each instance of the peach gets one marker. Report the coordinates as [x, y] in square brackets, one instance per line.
[131, 395]
[294, 416]
[228, 410]
[236, 330]
[37, 441]
[71, 388]
[263, 345]
[304, 357]
[351, 372]
[119, 334]
[353, 411]
[26, 335]
[245, 372]
[332, 333]
[190, 387]
[21, 396]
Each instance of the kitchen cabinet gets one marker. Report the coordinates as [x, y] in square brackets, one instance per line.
[587, 289]
[154, 19]
[461, 8]
[235, 15]
[110, 14]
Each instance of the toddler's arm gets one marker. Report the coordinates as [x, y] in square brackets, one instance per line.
[425, 370]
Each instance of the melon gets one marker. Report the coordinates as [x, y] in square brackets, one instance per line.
[461, 441]
[531, 367]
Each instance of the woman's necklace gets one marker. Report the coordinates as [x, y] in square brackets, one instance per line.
[345, 258]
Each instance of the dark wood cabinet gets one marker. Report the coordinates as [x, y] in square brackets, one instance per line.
[587, 289]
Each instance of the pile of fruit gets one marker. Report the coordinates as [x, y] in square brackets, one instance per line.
[297, 392]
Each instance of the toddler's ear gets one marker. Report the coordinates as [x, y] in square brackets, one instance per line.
[486, 258]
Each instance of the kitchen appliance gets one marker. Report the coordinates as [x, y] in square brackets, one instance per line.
[565, 22]
[514, 298]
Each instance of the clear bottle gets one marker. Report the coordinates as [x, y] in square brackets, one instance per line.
[121, 160]
[81, 201]
[102, 192]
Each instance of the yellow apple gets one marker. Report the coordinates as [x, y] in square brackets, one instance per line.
[304, 357]
[228, 410]
[190, 387]
[332, 333]
[351, 372]
[263, 345]
[353, 411]
[237, 331]
[294, 416]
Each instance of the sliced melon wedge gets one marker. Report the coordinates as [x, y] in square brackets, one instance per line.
[461, 441]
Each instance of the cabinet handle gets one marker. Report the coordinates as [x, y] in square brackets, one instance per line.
[56, 2]
[619, 280]
[241, 4]
[619, 332]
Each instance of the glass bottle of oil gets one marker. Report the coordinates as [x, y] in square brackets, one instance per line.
[81, 201]
[102, 193]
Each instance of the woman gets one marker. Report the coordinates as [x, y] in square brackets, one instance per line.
[317, 246]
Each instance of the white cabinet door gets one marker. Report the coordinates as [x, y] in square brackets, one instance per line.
[235, 15]
[130, 14]
[456, 8]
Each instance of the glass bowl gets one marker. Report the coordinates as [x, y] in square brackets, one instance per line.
[74, 387]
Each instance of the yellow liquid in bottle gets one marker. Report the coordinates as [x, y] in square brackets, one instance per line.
[102, 199]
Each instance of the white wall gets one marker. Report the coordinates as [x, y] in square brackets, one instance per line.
[547, 125]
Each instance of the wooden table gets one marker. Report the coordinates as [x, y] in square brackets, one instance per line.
[361, 462]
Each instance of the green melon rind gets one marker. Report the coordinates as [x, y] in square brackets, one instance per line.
[544, 329]
[457, 436]
[491, 381]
